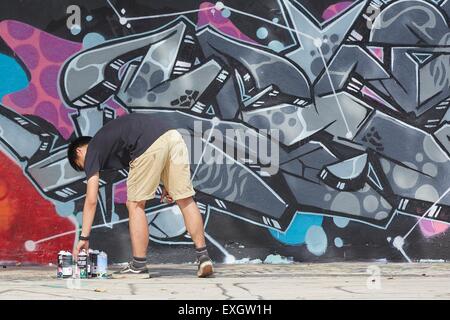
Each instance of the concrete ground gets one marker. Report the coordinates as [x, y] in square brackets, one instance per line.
[261, 281]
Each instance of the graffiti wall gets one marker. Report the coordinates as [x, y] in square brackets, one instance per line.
[352, 97]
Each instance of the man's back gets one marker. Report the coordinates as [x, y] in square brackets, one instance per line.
[121, 141]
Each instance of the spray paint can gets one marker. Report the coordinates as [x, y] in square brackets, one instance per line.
[102, 265]
[82, 264]
[92, 265]
[67, 261]
[59, 270]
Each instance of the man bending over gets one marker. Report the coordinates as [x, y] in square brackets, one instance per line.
[153, 153]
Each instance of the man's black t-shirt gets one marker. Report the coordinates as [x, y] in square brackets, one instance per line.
[121, 141]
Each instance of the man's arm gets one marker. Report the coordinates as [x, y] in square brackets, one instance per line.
[90, 206]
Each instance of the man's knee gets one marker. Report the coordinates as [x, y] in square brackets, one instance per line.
[184, 202]
[133, 205]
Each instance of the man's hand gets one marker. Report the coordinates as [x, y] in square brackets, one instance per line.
[165, 197]
[82, 244]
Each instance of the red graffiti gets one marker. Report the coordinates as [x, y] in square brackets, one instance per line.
[26, 217]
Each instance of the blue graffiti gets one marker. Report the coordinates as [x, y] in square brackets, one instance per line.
[296, 233]
[12, 76]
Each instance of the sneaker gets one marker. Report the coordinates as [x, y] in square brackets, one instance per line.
[205, 267]
[130, 269]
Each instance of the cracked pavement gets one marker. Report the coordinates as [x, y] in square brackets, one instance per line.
[253, 282]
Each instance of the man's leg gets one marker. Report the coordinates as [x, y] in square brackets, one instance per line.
[139, 233]
[177, 179]
[142, 182]
[193, 221]
[194, 225]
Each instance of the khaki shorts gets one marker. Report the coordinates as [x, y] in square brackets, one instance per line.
[166, 161]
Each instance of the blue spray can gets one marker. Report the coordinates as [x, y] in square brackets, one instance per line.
[102, 265]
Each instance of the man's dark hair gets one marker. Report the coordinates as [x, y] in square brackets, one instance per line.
[72, 150]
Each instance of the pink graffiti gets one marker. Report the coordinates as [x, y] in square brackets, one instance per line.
[432, 228]
[43, 54]
[120, 192]
[377, 52]
[120, 111]
[215, 18]
[333, 10]
[368, 92]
